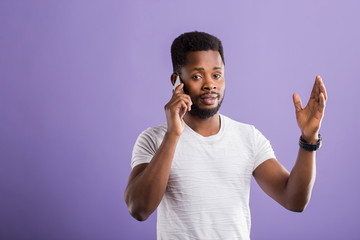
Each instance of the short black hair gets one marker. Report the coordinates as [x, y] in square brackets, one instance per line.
[191, 42]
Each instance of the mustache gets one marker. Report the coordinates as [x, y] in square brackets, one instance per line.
[202, 95]
[207, 93]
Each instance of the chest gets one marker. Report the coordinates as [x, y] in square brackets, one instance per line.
[209, 169]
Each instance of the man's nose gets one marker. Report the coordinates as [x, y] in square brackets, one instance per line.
[209, 84]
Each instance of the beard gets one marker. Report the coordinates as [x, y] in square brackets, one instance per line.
[204, 113]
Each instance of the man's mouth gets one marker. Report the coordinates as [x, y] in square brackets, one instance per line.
[209, 98]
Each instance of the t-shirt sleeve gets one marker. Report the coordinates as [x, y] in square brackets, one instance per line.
[144, 148]
[262, 149]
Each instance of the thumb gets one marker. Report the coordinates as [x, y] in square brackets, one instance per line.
[297, 102]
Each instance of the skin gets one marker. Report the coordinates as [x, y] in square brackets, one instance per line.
[204, 73]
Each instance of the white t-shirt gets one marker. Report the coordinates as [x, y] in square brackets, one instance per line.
[207, 195]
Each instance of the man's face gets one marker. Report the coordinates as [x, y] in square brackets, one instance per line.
[203, 77]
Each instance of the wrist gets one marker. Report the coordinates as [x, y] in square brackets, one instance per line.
[310, 139]
[310, 146]
[172, 136]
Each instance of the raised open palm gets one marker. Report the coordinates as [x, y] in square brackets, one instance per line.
[309, 118]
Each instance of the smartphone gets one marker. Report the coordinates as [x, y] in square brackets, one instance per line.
[177, 83]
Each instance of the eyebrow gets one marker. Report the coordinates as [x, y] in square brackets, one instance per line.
[202, 69]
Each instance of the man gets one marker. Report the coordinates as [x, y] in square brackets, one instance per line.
[196, 168]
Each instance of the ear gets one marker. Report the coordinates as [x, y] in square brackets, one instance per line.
[173, 78]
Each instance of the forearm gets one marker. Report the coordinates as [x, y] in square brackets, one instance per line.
[146, 190]
[301, 180]
[293, 190]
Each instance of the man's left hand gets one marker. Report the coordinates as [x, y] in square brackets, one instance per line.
[309, 118]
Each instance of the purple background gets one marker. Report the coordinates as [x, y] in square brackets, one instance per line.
[79, 80]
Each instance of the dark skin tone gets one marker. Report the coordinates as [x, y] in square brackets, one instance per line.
[204, 73]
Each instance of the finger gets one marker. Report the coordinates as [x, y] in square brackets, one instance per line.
[189, 102]
[189, 106]
[297, 102]
[317, 92]
[317, 82]
[183, 97]
[179, 88]
[323, 89]
[183, 109]
[322, 102]
[178, 102]
[314, 90]
[181, 103]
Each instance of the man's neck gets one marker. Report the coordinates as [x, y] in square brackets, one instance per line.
[204, 127]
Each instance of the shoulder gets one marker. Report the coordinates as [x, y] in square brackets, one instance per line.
[154, 132]
[241, 130]
[234, 125]
[150, 139]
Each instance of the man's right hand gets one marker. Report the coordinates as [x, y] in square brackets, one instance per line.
[175, 110]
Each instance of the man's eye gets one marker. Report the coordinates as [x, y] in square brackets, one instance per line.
[217, 76]
[196, 77]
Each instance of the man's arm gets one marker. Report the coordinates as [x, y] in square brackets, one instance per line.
[293, 190]
[147, 182]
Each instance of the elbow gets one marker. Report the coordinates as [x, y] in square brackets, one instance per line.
[138, 214]
[298, 207]
[136, 210]
[297, 202]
